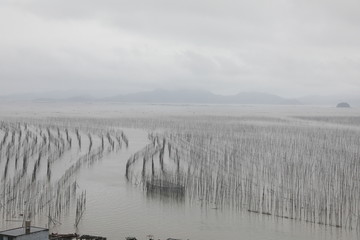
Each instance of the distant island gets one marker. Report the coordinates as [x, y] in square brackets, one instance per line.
[343, 105]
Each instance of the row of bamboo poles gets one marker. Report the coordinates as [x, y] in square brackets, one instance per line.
[37, 178]
[293, 171]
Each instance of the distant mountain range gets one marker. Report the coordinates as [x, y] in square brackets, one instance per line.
[183, 96]
[195, 96]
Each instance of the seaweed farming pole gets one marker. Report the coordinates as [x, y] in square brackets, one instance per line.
[90, 142]
[80, 208]
[78, 137]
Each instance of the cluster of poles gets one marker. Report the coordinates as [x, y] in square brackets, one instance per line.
[287, 170]
[39, 165]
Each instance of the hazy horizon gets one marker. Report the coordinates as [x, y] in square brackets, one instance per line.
[110, 93]
[179, 96]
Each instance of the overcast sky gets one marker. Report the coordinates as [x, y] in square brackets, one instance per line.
[285, 47]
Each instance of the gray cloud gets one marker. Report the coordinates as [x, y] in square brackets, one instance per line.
[281, 46]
